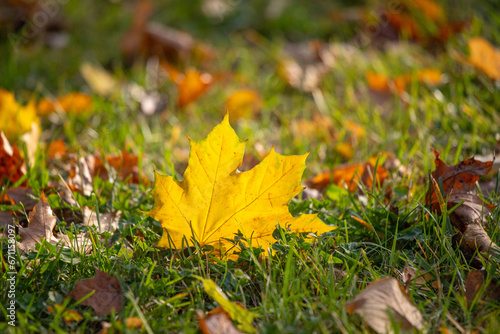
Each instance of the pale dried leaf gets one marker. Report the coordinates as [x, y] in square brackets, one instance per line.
[41, 224]
[382, 299]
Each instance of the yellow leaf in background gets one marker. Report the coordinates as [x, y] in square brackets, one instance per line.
[345, 150]
[243, 103]
[98, 79]
[15, 119]
[67, 315]
[430, 76]
[73, 102]
[355, 129]
[485, 57]
[215, 200]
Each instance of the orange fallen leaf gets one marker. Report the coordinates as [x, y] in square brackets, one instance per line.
[484, 57]
[191, 84]
[11, 163]
[128, 168]
[56, 149]
[71, 103]
[134, 322]
[107, 293]
[382, 83]
[353, 175]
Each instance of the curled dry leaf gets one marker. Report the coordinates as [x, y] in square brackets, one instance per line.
[476, 238]
[381, 297]
[215, 201]
[458, 185]
[41, 225]
[107, 293]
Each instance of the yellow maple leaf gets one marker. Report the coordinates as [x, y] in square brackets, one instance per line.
[215, 200]
[14, 118]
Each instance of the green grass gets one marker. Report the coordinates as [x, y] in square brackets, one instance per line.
[297, 289]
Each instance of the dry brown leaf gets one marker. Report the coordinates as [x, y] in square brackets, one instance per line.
[154, 39]
[476, 238]
[421, 280]
[80, 176]
[41, 225]
[458, 185]
[18, 196]
[381, 297]
[216, 321]
[107, 293]
[109, 220]
[6, 218]
[475, 280]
